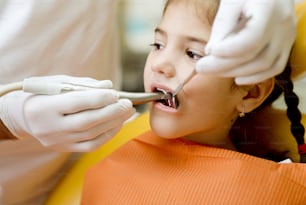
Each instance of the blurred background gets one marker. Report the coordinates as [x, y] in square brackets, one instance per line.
[137, 19]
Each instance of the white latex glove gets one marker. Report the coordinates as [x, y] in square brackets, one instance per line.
[73, 121]
[256, 51]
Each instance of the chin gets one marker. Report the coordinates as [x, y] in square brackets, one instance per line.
[164, 130]
[164, 134]
[165, 125]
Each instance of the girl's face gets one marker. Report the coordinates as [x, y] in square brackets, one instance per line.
[207, 104]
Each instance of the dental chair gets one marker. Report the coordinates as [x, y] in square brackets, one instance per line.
[68, 191]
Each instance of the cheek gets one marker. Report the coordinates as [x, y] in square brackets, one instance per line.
[210, 96]
[147, 77]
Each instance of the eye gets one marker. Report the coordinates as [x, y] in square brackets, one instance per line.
[156, 46]
[195, 56]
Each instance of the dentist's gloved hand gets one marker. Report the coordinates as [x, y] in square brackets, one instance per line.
[255, 51]
[73, 121]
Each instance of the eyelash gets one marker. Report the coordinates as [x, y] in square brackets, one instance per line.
[156, 46]
[193, 55]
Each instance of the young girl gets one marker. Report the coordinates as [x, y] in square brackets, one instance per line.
[191, 156]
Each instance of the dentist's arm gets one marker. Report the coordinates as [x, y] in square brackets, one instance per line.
[74, 121]
[5, 134]
[255, 51]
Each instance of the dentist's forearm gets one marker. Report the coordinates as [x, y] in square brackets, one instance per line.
[5, 134]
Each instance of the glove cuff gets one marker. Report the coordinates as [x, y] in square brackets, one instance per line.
[12, 113]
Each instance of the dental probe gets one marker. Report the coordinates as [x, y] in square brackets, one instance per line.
[55, 88]
[242, 22]
[181, 85]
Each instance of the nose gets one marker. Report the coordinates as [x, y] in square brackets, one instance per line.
[164, 67]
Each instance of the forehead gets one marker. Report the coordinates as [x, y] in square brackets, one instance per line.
[182, 17]
[205, 9]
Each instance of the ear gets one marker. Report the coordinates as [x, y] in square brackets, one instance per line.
[255, 96]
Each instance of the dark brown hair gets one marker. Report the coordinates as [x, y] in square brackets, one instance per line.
[284, 84]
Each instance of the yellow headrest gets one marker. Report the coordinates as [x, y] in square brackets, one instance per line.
[68, 192]
[298, 56]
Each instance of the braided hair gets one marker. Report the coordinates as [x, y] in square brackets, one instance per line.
[297, 129]
[284, 84]
[242, 137]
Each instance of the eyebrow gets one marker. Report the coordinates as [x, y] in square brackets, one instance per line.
[189, 38]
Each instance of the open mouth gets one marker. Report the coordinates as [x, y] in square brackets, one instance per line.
[170, 100]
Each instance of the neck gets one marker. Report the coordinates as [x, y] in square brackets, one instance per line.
[218, 138]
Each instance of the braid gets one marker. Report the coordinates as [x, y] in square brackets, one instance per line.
[297, 129]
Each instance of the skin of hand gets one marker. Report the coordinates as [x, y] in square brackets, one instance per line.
[74, 121]
[250, 40]
[5, 134]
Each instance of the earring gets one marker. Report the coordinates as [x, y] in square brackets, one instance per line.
[242, 114]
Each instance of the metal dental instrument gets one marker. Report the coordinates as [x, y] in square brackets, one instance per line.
[141, 98]
[45, 88]
[136, 97]
[181, 85]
